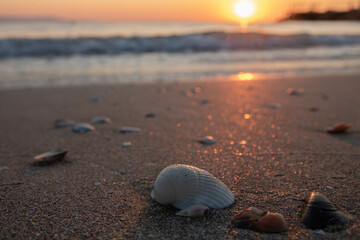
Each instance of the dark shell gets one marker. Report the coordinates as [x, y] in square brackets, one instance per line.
[62, 123]
[319, 213]
[247, 218]
[339, 128]
[272, 223]
[208, 140]
[50, 157]
[129, 130]
[83, 128]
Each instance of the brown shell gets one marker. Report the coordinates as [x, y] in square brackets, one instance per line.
[247, 218]
[272, 223]
[49, 157]
[339, 128]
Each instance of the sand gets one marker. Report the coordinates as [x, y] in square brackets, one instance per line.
[102, 190]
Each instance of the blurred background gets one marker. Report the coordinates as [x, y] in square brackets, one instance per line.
[52, 43]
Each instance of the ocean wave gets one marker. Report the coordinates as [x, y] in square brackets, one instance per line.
[201, 42]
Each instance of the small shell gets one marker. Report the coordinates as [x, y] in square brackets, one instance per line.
[100, 120]
[274, 105]
[50, 157]
[295, 92]
[272, 223]
[126, 144]
[62, 123]
[319, 213]
[83, 127]
[339, 128]
[194, 211]
[208, 140]
[129, 130]
[247, 218]
[184, 185]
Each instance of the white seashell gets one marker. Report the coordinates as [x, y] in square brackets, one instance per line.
[100, 120]
[194, 211]
[184, 185]
[83, 127]
[208, 140]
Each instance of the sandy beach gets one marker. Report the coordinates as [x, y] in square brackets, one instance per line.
[269, 158]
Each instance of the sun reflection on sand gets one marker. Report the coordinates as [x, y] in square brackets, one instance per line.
[243, 76]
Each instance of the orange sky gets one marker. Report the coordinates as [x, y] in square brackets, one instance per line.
[159, 10]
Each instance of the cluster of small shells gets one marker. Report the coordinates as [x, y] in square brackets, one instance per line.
[254, 218]
[194, 191]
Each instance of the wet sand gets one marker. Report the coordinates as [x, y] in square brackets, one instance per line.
[102, 190]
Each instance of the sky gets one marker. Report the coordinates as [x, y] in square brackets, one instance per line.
[162, 10]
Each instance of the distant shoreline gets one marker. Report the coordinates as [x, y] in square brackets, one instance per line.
[351, 15]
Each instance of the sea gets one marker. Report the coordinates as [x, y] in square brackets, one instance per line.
[47, 53]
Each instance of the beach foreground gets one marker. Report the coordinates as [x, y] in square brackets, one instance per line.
[269, 158]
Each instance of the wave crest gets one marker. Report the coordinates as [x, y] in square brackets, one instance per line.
[200, 42]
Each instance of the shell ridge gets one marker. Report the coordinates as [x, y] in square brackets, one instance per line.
[184, 185]
[223, 198]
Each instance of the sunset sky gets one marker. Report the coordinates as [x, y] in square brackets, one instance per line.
[161, 10]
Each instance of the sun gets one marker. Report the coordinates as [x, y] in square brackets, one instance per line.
[244, 8]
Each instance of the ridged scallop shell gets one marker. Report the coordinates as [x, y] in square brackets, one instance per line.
[183, 185]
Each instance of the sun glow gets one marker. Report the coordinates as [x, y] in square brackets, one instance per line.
[244, 8]
[244, 76]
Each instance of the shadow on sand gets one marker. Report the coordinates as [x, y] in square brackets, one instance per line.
[160, 222]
